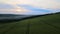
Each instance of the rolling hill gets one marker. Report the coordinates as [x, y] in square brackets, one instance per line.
[11, 17]
[49, 24]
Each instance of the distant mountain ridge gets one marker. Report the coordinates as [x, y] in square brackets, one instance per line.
[13, 17]
[7, 15]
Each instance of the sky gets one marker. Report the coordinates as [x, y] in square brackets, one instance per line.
[29, 6]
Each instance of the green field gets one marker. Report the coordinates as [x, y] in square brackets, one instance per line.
[49, 24]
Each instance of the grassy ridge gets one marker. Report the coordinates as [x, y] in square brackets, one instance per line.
[49, 24]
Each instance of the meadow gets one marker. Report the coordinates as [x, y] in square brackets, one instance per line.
[49, 24]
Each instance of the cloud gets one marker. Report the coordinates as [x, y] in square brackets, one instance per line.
[36, 10]
[50, 4]
[6, 6]
[11, 9]
[31, 6]
[28, 7]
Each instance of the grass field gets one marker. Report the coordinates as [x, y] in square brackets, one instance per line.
[49, 24]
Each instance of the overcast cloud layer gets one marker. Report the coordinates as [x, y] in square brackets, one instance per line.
[29, 6]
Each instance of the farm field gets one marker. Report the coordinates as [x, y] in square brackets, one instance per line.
[49, 24]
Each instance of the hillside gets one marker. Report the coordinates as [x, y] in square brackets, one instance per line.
[11, 17]
[49, 24]
[7, 15]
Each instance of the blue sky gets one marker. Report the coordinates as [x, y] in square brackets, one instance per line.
[29, 7]
[32, 10]
[35, 10]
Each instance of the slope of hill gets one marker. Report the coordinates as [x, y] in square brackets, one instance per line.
[49, 24]
[11, 17]
[8, 15]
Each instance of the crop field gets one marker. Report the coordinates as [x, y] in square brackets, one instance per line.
[49, 24]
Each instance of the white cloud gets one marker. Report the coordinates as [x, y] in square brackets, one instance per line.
[50, 4]
[46, 4]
